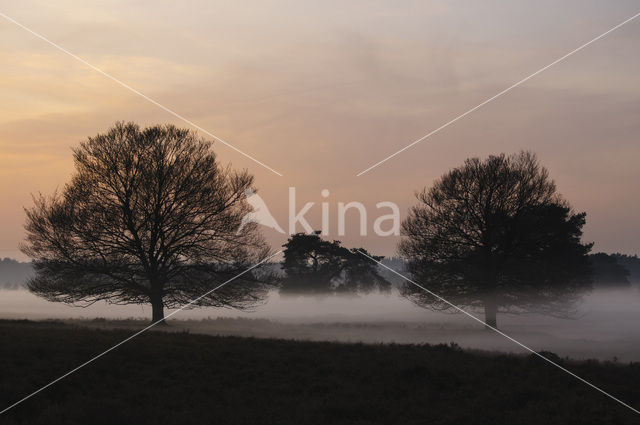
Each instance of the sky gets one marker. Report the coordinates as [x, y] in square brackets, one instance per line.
[320, 91]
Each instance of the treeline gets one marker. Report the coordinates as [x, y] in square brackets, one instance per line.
[14, 274]
[631, 263]
[609, 270]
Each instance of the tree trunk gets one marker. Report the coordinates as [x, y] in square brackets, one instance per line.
[157, 308]
[490, 312]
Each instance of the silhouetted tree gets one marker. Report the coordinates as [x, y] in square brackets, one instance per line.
[149, 216]
[496, 234]
[607, 271]
[362, 275]
[315, 266]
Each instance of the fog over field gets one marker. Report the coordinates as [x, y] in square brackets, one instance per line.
[606, 329]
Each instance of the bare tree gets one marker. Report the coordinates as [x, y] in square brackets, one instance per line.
[495, 234]
[149, 216]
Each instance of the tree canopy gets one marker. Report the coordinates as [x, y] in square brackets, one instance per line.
[315, 266]
[149, 216]
[495, 234]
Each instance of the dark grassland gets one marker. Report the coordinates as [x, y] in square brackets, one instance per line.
[171, 378]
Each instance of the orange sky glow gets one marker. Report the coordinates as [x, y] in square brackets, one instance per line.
[321, 91]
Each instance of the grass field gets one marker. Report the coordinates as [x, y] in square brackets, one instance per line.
[172, 378]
